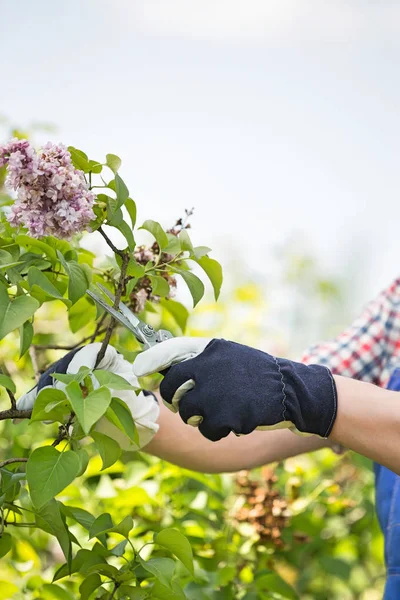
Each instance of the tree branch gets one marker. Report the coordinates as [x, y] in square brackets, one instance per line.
[9, 461]
[120, 289]
[121, 253]
[14, 413]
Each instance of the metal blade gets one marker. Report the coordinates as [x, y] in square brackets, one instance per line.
[114, 313]
[128, 314]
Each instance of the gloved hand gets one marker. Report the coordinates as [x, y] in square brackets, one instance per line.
[222, 386]
[144, 407]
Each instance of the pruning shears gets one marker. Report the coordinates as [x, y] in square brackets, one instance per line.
[144, 333]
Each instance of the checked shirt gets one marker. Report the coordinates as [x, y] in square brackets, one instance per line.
[369, 349]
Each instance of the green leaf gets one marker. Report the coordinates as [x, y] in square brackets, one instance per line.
[119, 549]
[83, 560]
[79, 159]
[81, 516]
[8, 383]
[157, 231]
[185, 240]
[78, 278]
[89, 585]
[68, 377]
[119, 414]
[25, 337]
[40, 286]
[200, 251]
[49, 519]
[131, 208]
[121, 191]
[160, 286]
[48, 472]
[160, 592]
[14, 313]
[195, 285]
[113, 162]
[5, 544]
[81, 313]
[95, 167]
[102, 524]
[272, 582]
[174, 245]
[162, 568]
[126, 231]
[213, 269]
[112, 380]
[50, 405]
[88, 410]
[84, 460]
[27, 241]
[178, 544]
[108, 448]
[132, 593]
[134, 269]
[178, 311]
[51, 591]
[124, 527]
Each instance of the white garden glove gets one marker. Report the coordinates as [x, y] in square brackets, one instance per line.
[144, 407]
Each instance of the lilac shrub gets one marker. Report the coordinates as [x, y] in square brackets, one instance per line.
[53, 197]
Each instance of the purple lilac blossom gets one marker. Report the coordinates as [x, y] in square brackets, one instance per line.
[53, 197]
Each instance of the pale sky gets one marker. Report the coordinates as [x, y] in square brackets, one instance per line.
[270, 117]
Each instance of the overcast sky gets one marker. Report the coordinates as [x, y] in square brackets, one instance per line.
[270, 117]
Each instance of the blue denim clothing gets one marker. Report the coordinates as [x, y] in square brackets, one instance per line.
[388, 511]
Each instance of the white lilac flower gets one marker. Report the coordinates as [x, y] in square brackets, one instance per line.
[53, 197]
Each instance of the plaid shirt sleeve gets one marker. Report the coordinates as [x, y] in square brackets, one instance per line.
[369, 349]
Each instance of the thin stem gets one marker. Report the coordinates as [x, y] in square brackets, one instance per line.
[9, 461]
[9, 392]
[12, 399]
[16, 524]
[121, 253]
[116, 586]
[63, 431]
[90, 337]
[120, 289]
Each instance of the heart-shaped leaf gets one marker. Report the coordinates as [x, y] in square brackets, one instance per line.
[48, 472]
[88, 410]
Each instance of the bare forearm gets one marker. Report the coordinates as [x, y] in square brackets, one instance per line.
[368, 421]
[185, 446]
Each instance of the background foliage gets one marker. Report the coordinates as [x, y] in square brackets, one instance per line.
[302, 529]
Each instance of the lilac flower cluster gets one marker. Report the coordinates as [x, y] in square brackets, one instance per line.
[52, 196]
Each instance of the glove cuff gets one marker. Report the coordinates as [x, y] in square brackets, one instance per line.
[310, 396]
